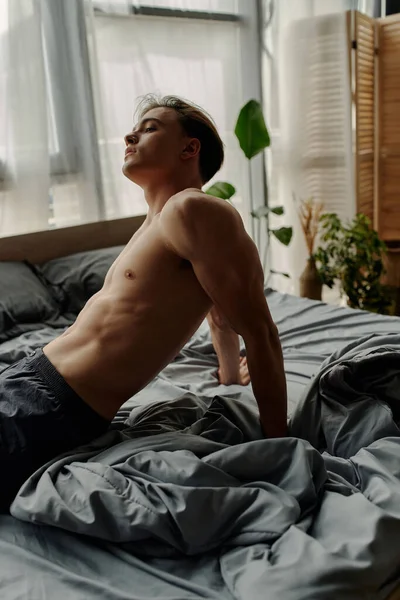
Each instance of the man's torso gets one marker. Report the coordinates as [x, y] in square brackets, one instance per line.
[150, 305]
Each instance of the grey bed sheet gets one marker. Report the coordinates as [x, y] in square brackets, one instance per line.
[309, 331]
[279, 519]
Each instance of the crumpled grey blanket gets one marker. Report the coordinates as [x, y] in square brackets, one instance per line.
[308, 516]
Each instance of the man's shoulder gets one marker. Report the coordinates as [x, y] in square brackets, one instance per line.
[195, 204]
[194, 222]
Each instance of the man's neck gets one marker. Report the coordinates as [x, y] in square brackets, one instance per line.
[157, 195]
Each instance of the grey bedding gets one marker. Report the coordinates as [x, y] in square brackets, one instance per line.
[184, 499]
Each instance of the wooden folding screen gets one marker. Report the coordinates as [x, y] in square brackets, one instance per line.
[363, 42]
[375, 70]
[388, 128]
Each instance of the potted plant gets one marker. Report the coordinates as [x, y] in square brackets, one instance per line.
[252, 134]
[353, 255]
[309, 212]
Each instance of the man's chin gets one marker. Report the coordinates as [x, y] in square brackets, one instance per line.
[130, 171]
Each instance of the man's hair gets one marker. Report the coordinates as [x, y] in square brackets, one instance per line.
[196, 123]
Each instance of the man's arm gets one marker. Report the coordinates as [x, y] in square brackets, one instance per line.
[226, 344]
[210, 234]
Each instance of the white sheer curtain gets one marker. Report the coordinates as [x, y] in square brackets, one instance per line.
[307, 85]
[49, 162]
[24, 156]
[70, 71]
[134, 55]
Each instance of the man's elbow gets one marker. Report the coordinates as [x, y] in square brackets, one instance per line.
[260, 331]
[217, 320]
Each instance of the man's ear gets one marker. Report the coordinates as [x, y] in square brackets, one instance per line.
[191, 149]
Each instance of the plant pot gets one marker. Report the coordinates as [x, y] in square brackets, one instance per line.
[310, 283]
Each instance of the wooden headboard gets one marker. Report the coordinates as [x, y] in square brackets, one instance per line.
[42, 246]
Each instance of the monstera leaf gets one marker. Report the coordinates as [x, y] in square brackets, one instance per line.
[280, 273]
[221, 189]
[263, 211]
[283, 234]
[251, 130]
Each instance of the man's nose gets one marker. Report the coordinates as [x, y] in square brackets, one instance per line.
[131, 138]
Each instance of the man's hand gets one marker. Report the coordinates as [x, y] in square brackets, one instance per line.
[243, 376]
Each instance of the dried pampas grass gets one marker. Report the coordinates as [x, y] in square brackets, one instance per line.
[309, 212]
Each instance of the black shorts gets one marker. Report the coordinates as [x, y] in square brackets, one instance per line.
[40, 417]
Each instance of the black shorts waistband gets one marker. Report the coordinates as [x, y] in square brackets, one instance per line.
[71, 401]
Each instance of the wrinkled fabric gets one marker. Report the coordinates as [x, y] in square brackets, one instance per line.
[346, 546]
[313, 515]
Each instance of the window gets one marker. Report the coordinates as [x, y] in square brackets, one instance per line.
[204, 6]
[306, 87]
[3, 106]
[198, 57]
[4, 68]
[98, 56]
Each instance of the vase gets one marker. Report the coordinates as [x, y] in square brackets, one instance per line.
[310, 283]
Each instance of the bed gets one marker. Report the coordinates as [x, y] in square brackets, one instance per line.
[182, 498]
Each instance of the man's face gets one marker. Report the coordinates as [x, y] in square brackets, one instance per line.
[154, 146]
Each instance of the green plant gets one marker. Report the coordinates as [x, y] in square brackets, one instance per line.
[353, 255]
[252, 134]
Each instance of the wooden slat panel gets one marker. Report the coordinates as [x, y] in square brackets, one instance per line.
[364, 74]
[366, 185]
[388, 141]
[319, 122]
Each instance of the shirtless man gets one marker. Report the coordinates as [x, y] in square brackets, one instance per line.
[190, 259]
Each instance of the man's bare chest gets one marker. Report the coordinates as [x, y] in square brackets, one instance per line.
[148, 267]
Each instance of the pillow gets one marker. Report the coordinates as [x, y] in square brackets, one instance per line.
[25, 302]
[78, 276]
